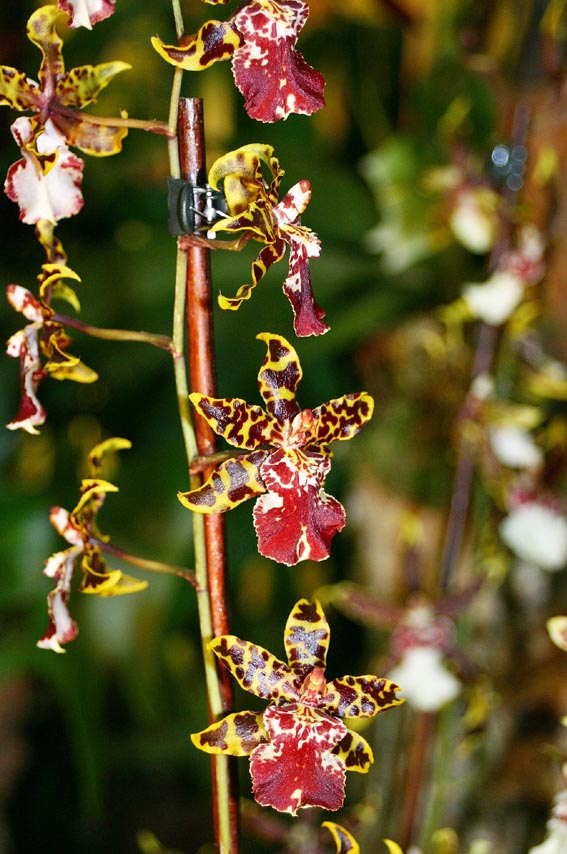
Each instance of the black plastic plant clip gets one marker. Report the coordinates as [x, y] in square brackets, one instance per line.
[193, 208]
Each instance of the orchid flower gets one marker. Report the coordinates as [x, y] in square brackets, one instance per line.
[535, 529]
[60, 95]
[495, 300]
[295, 519]
[256, 214]
[57, 101]
[41, 345]
[299, 747]
[260, 40]
[86, 544]
[85, 13]
[423, 640]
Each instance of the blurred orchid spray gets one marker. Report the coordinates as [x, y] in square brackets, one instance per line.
[453, 565]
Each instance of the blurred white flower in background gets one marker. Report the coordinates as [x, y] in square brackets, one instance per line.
[537, 534]
[425, 682]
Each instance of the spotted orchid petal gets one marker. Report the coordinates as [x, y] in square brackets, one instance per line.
[296, 520]
[273, 77]
[345, 841]
[213, 42]
[342, 418]
[82, 85]
[279, 377]
[241, 174]
[307, 314]
[232, 482]
[240, 424]
[355, 752]
[90, 137]
[24, 301]
[17, 90]
[102, 581]
[42, 32]
[306, 636]
[44, 195]
[255, 669]
[360, 696]
[269, 255]
[85, 13]
[257, 218]
[236, 735]
[107, 446]
[297, 767]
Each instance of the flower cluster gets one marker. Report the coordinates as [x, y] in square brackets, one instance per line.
[295, 519]
[299, 747]
[260, 40]
[80, 530]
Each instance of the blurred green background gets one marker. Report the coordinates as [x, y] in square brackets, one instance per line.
[94, 745]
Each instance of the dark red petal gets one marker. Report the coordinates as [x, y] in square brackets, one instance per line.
[297, 288]
[273, 77]
[296, 768]
[296, 520]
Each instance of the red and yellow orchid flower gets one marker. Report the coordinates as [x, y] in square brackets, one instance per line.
[299, 747]
[294, 517]
[257, 214]
[41, 345]
[79, 528]
[57, 100]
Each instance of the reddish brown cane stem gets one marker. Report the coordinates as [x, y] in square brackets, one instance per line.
[202, 377]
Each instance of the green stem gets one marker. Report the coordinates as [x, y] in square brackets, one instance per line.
[161, 341]
[223, 807]
[152, 126]
[145, 563]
